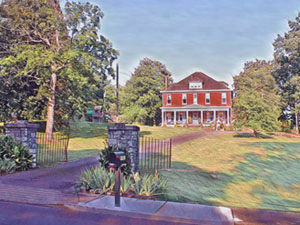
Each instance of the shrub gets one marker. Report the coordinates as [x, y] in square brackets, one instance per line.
[148, 184]
[101, 178]
[286, 126]
[98, 178]
[14, 150]
[7, 165]
[104, 157]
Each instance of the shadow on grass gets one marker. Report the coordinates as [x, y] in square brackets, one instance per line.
[144, 133]
[191, 184]
[277, 171]
[88, 130]
[269, 180]
[76, 155]
[251, 135]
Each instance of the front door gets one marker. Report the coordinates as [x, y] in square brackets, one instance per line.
[195, 118]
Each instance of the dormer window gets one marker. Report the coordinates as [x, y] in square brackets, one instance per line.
[195, 85]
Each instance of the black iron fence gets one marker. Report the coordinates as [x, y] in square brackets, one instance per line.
[155, 154]
[52, 148]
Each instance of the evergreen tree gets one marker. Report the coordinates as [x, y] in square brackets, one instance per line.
[141, 100]
[51, 62]
[256, 104]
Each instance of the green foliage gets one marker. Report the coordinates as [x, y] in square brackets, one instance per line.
[104, 158]
[141, 97]
[256, 104]
[101, 178]
[98, 178]
[287, 70]
[7, 165]
[286, 126]
[149, 184]
[12, 150]
[40, 43]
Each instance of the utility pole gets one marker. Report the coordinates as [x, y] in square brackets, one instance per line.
[117, 92]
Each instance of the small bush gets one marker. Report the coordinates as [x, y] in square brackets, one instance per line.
[7, 166]
[144, 185]
[148, 184]
[98, 178]
[104, 157]
[11, 149]
[286, 126]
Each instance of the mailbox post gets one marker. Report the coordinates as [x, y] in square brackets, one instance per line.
[116, 159]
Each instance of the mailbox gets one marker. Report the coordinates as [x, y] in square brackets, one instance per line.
[117, 158]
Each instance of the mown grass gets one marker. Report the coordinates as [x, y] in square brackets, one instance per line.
[237, 171]
[87, 139]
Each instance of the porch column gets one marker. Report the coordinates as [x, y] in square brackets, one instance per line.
[215, 116]
[174, 118]
[187, 116]
[162, 117]
[201, 116]
[227, 116]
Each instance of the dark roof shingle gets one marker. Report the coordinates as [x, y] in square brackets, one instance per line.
[207, 82]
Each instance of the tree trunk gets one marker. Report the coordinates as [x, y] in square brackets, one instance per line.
[255, 133]
[297, 127]
[154, 121]
[51, 103]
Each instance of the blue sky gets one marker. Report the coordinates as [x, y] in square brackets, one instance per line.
[212, 36]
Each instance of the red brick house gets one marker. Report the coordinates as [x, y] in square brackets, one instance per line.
[196, 100]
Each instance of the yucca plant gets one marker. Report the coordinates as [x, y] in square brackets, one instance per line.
[12, 149]
[148, 184]
[7, 165]
[126, 182]
[98, 178]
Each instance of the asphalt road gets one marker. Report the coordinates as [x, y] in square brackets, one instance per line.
[23, 214]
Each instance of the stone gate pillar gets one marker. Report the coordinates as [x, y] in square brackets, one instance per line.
[126, 137]
[25, 133]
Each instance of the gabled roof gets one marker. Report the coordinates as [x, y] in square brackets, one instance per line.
[207, 82]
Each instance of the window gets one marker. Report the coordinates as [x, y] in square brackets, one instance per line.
[169, 100]
[195, 98]
[184, 99]
[224, 101]
[195, 85]
[207, 98]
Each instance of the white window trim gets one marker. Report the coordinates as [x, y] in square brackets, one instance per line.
[195, 85]
[185, 99]
[195, 94]
[207, 98]
[170, 99]
[225, 98]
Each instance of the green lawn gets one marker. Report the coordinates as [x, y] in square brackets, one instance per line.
[87, 139]
[237, 171]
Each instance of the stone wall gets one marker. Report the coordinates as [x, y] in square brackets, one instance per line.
[24, 132]
[126, 137]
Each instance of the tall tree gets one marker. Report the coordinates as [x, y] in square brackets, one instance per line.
[57, 60]
[142, 97]
[256, 104]
[287, 70]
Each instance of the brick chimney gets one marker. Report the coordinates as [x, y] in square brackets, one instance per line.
[166, 82]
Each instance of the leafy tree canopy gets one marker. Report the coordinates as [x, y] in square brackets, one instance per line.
[50, 60]
[141, 100]
[287, 66]
[256, 104]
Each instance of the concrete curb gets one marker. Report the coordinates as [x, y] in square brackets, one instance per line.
[180, 213]
[140, 215]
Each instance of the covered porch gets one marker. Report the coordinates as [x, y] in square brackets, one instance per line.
[196, 117]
